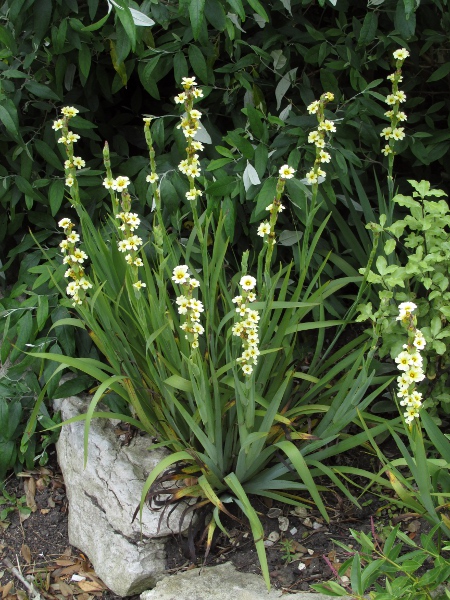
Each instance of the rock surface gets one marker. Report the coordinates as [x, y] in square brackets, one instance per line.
[220, 583]
[103, 497]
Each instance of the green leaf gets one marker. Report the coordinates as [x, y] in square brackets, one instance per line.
[369, 28]
[180, 67]
[196, 9]
[73, 386]
[48, 154]
[255, 524]
[9, 123]
[259, 9]
[24, 335]
[241, 143]
[42, 13]
[222, 187]
[198, 63]
[42, 312]
[56, 195]
[7, 39]
[331, 588]
[41, 91]
[406, 201]
[389, 246]
[238, 8]
[299, 463]
[84, 60]
[440, 73]
[179, 383]
[98, 24]
[404, 24]
[4, 412]
[126, 18]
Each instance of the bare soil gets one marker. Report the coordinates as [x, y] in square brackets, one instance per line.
[300, 546]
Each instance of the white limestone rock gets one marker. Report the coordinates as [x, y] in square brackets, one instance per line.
[222, 582]
[128, 557]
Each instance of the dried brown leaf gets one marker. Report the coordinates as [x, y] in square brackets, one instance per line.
[24, 516]
[26, 553]
[7, 588]
[68, 570]
[90, 586]
[65, 589]
[41, 484]
[64, 562]
[414, 526]
[30, 491]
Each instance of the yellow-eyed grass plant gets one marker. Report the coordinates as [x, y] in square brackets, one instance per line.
[207, 364]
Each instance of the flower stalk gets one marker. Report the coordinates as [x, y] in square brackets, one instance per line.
[393, 132]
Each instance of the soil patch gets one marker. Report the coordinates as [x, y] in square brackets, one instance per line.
[299, 542]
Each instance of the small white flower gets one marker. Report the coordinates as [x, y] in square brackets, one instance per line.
[152, 178]
[286, 172]
[64, 223]
[398, 133]
[247, 282]
[313, 107]
[72, 137]
[188, 82]
[263, 229]
[401, 54]
[69, 111]
[311, 177]
[180, 98]
[109, 183]
[121, 183]
[180, 274]
[139, 284]
[327, 125]
[78, 162]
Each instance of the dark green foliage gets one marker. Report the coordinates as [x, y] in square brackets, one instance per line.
[271, 59]
[260, 63]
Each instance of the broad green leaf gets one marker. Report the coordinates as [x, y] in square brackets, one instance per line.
[9, 123]
[56, 196]
[126, 18]
[41, 91]
[440, 73]
[369, 28]
[48, 155]
[196, 9]
[84, 60]
[259, 9]
[198, 62]
[238, 8]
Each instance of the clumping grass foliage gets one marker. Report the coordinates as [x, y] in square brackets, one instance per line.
[207, 359]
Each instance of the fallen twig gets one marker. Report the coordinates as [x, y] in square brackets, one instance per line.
[29, 586]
